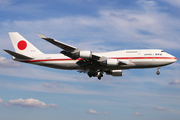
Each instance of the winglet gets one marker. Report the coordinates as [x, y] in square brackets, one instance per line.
[42, 36]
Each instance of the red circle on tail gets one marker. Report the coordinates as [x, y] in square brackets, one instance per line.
[22, 45]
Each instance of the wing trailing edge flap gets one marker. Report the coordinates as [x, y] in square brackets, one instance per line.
[17, 55]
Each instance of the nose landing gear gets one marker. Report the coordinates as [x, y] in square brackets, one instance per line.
[158, 71]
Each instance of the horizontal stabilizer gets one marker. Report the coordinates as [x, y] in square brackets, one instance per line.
[17, 55]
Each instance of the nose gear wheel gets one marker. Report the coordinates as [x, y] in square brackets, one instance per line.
[158, 73]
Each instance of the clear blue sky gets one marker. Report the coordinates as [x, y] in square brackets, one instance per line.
[29, 92]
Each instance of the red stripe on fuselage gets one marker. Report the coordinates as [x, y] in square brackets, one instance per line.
[143, 58]
[69, 59]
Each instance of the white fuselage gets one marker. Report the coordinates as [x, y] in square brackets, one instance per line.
[145, 58]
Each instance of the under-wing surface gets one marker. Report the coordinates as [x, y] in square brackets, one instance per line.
[94, 64]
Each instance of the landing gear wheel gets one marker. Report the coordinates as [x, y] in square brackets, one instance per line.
[101, 75]
[97, 73]
[89, 74]
[157, 72]
[92, 73]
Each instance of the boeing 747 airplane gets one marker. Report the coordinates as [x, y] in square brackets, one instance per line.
[94, 64]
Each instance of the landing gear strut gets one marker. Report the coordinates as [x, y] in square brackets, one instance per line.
[158, 71]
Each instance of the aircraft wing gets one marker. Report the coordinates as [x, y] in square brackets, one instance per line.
[68, 50]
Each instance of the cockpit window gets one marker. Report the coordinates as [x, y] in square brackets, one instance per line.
[162, 51]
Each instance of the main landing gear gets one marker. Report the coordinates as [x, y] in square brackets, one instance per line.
[95, 74]
[101, 75]
[158, 71]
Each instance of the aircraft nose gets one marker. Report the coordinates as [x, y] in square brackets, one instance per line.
[174, 59]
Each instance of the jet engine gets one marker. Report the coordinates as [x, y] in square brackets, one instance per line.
[84, 54]
[111, 62]
[115, 72]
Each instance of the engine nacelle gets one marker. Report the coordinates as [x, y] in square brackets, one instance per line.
[111, 62]
[84, 54]
[115, 73]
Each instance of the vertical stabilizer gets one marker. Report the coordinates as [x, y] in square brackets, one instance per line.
[22, 46]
